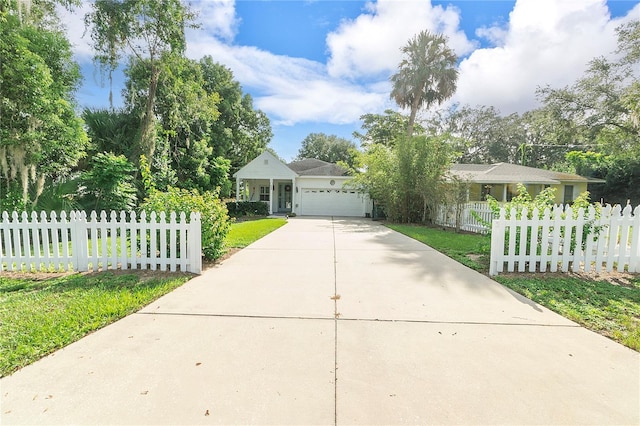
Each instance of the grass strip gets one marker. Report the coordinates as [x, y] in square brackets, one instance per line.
[39, 316]
[612, 310]
[244, 233]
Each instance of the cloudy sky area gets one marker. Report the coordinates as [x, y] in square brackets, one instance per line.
[317, 66]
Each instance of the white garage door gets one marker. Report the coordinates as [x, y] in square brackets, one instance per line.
[331, 202]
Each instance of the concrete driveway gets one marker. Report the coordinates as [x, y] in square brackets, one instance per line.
[333, 321]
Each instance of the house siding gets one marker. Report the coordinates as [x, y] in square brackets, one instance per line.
[497, 190]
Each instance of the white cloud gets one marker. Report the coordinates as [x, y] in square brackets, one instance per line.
[369, 45]
[292, 90]
[218, 17]
[364, 52]
[80, 38]
[543, 42]
[547, 42]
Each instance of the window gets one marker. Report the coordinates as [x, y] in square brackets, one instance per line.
[264, 193]
[568, 194]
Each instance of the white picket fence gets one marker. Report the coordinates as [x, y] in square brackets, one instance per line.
[71, 242]
[446, 216]
[556, 240]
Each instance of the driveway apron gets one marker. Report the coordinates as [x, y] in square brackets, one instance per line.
[333, 321]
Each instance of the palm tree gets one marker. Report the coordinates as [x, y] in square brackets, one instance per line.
[426, 75]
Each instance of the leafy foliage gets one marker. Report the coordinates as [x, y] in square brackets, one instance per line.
[426, 75]
[384, 128]
[545, 200]
[108, 185]
[406, 178]
[247, 208]
[330, 148]
[214, 217]
[40, 135]
[241, 132]
[149, 30]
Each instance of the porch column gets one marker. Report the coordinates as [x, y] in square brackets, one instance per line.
[294, 194]
[271, 196]
[238, 188]
[504, 192]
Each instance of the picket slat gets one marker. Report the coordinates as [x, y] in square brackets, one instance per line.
[564, 239]
[62, 242]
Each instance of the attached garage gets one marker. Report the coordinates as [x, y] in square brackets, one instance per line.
[332, 202]
[308, 187]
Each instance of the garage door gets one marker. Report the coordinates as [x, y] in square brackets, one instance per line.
[331, 202]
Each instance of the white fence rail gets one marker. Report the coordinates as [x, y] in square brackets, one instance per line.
[468, 218]
[561, 240]
[73, 242]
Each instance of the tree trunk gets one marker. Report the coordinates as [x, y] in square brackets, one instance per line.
[148, 133]
[412, 119]
[414, 111]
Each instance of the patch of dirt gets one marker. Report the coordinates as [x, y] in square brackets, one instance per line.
[474, 257]
[35, 276]
[624, 279]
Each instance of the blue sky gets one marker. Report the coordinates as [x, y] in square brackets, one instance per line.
[317, 66]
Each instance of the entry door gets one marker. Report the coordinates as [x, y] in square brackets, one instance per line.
[284, 197]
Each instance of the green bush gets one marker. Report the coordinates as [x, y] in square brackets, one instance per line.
[108, 185]
[545, 200]
[247, 208]
[214, 216]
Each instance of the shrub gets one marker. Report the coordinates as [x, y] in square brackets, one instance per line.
[108, 185]
[247, 208]
[214, 216]
[545, 200]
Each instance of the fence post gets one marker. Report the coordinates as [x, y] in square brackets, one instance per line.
[79, 241]
[195, 243]
[497, 244]
[634, 260]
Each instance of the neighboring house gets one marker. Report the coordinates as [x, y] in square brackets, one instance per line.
[500, 181]
[306, 187]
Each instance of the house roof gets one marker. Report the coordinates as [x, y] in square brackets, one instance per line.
[314, 167]
[513, 173]
[265, 166]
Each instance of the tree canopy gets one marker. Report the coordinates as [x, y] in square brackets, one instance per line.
[330, 148]
[151, 31]
[426, 75]
[41, 137]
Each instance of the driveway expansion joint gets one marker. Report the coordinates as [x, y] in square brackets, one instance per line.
[343, 319]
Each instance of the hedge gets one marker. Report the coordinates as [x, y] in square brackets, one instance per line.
[247, 208]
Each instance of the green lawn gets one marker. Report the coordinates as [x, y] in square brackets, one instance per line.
[39, 316]
[244, 233]
[611, 309]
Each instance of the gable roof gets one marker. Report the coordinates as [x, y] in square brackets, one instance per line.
[265, 166]
[314, 167]
[268, 166]
[513, 173]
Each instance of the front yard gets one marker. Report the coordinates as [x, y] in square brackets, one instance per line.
[608, 304]
[40, 312]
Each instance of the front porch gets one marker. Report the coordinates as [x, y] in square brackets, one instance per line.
[278, 194]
